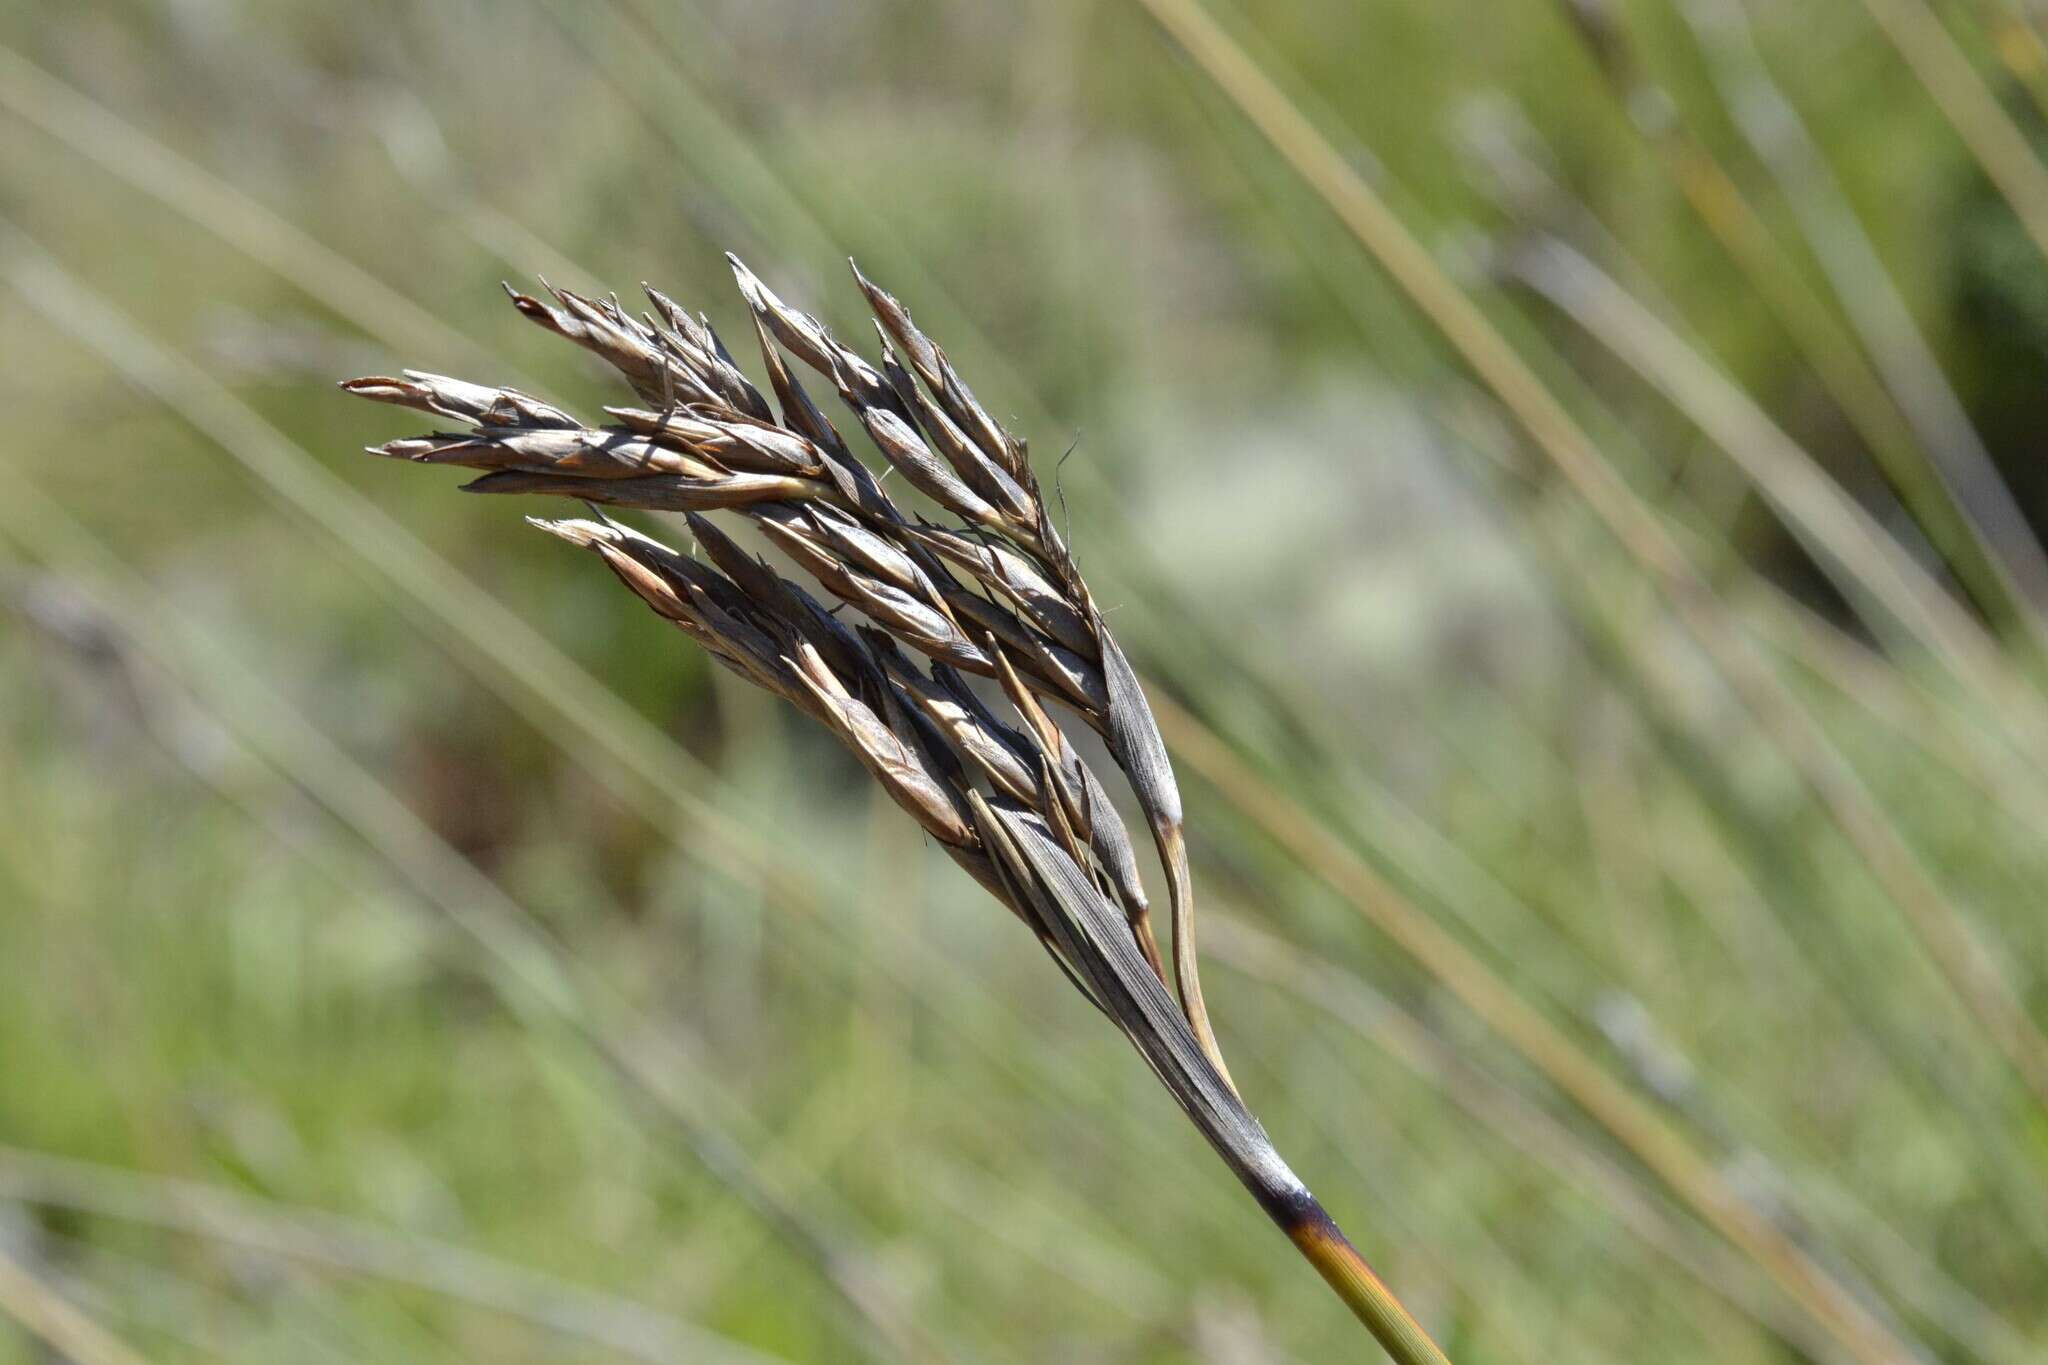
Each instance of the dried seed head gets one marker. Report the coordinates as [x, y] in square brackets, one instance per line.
[1134, 738]
[999, 597]
[594, 454]
[906, 451]
[937, 372]
[997, 753]
[799, 413]
[659, 493]
[1077, 791]
[1051, 667]
[693, 342]
[997, 566]
[615, 339]
[894, 319]
[834, 532]
[736, 444]
[983, 475]
[917, 616]
[900, 768]
[859, 384]
[465, 402]
[1091, 936]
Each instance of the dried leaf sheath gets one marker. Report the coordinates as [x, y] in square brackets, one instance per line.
[1093, 939]
[982, 585]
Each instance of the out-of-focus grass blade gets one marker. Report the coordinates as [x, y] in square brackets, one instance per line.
[1971, 109]
[1842, 248]
[60, 1324]
[1929, 457]
[98, 135]
[539, 983]
[361, 1248]
[1649, 542]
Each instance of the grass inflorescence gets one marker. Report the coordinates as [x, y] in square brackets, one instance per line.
[988, 589]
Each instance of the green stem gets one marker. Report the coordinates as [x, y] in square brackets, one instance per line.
[1323, 1245]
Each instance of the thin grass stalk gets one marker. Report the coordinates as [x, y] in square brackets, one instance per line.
[1984, 759]
[1866, 564]
[1864, 560]
[1528, 1134]
[1461, 903]
[1412, 931]
[1909, 713]
[1465, 893]
[1923, 483]
[1799, 1192]
[1553, 430]
[1626, 646]
[1966, 734]
[2018, 44]
[1912, 1044]
[1514, 1319]
[1845, 254]
[1535, 1136]
[1776, 132]
[355, 1247]
[1953, 83]
[1980, 755]
[1807, 1200]
[1324, 1246]
[52, 1319]
[101, 137]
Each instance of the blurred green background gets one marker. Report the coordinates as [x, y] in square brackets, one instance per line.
[409, 950]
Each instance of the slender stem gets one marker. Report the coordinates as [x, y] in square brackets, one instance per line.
[1323, 1245]
[1148, 942]
[46, 1315]
[1187, 975]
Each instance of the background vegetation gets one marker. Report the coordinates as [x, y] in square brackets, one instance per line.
[378, 984]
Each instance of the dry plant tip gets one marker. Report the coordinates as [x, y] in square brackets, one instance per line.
[997, 595]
